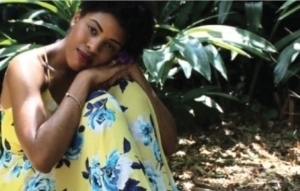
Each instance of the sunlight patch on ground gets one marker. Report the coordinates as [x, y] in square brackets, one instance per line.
[235, 159]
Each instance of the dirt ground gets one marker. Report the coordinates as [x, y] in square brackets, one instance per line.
[238, 157]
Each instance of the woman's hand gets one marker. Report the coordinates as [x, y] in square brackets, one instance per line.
[104, 76]
[136, 74]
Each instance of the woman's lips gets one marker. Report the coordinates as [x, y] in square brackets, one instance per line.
[86, 59]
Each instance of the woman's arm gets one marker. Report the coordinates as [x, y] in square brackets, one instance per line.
[45, 140]
[165, 120]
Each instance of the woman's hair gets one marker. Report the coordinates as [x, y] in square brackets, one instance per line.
[135, 17]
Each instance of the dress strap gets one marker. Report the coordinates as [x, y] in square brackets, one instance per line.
[47, 66]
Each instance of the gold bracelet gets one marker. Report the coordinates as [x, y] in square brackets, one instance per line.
[75, 98]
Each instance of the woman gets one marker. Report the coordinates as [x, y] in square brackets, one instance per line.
[62, 131]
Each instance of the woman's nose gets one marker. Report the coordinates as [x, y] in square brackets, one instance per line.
[94, 45]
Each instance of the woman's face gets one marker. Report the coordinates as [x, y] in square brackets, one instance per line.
[94, 39]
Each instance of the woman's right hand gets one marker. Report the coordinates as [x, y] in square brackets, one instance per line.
[105, 75]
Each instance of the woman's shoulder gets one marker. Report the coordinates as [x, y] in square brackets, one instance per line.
[29, 57]
[24, 73]
[28, 65]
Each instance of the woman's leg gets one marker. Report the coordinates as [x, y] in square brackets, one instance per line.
[103, 153]
[143, 126]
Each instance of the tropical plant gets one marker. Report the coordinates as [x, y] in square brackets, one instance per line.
[186, 58]
[289, 47]
[194, 45]
[41, 22]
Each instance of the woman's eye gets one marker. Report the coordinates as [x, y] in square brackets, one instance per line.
[110, 47]
[92, 30]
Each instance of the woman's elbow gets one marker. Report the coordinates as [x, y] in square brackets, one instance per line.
[170, 148]
[41, 164]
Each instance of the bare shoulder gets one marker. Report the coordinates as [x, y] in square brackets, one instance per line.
[24, 76]
[27, 67]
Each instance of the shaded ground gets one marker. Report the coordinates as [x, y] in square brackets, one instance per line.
[238, 157]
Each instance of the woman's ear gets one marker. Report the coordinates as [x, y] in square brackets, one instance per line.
[75, 18]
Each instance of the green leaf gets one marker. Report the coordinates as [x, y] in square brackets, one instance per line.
[253, 14]
[223, 9]
[287, 4]
[32, 14]
[184, 13]
[6, 36]
[166, 66]
[209, 102]
[150, 58]
[45, 5]
[63, 10]
[15, 49]
[55, 28]
[192, 51]
[233, 55]
[11, 51]
[186, 67]
[228, 46]
[74, 6]
[286, 57]
[216, 60]
[231, 34]
[170, 7]
[168, 27]
[207, 18]
[289, 12]
[192, 94]
[4, 63]
[255, 51]
[287, 39]
[198, 8]
[158, 63]
[67, 8]
[291, 71]
[6, 42]
[223, 95]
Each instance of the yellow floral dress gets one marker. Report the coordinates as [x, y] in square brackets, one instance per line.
[117, 147]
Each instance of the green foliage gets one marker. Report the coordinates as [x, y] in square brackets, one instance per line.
[203, 55]
[289, 47]
[49, 19]
[195, 50]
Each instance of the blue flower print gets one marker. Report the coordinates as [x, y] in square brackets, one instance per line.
[6, 159]
[156, 151]
[154, 177]
[26, 165]
[95, 175]
[99, 117]
[13, 173]
[40, 182]
[141, 130]
[74, 150]
[117, 171]
[114, 175]
[110, 171]
[109, 97]
[95, 94]
[16, 171]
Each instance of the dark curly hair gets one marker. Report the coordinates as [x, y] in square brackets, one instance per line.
[135, 17]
